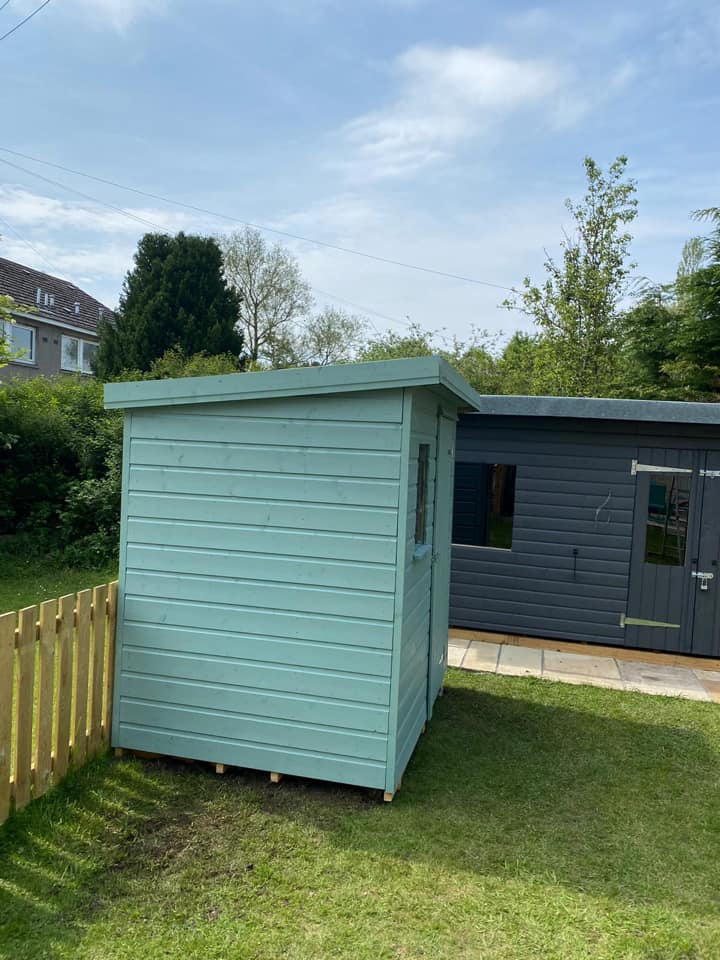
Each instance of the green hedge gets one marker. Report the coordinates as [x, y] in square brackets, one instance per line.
[60, 454]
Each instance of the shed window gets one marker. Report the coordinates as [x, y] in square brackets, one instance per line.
[422, 490]
[667, 520]
[484, 504]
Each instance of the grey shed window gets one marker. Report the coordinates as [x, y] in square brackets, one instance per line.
[484, 507]
[667, 521]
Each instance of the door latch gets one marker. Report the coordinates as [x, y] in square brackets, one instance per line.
[704, 578]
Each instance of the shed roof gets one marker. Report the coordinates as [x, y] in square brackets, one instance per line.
[296, 382]
[599, 408]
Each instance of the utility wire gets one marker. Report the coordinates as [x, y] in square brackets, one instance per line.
[28, 17]
[157, 226]
[152, 225]
[257, 226]
[27, 243]
[4, 5]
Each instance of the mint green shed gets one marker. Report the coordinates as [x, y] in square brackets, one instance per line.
[284, 566]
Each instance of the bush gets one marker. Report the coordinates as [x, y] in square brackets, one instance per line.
[57, 442]
[61, 462]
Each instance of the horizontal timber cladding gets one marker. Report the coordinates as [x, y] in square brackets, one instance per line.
[567, 572]
[415, 631]
[260, 547]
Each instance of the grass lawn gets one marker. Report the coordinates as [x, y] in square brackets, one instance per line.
[537, 821]
[23, 584]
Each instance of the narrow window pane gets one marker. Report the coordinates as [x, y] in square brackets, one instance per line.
[88, 353]
[70, 352]
[667, 519]
[484, 504]
[422, 484]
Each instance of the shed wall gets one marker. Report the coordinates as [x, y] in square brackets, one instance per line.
[259, 551]
[565, 475]
[566, 470]
[415, 628]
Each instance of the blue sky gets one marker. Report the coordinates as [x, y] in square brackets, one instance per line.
[445, 134]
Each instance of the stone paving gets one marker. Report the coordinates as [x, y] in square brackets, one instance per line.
[518, 661]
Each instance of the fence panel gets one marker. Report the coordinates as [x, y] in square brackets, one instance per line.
[56, 676]
[7, 658]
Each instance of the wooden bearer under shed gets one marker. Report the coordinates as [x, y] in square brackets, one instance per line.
[284, 566]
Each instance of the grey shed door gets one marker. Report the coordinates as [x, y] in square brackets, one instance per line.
[706, 627]
[673, 599]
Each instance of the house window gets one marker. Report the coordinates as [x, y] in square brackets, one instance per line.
[77, 355]
[484, 504]
[21, 340]
[422, 490]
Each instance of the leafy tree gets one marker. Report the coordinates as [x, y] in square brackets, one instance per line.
[649, 330]
[174, 296]
[518, 364]
[577, 308]
[272, 295]
[331, 336]
[392, 345]
[697, 338]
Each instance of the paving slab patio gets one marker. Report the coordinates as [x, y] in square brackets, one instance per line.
[643, 676]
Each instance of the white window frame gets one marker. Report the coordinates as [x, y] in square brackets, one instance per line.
[29, 356]
[81, 354]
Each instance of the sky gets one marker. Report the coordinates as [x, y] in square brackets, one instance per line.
[442, 133]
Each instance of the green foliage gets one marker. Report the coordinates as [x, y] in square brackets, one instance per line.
[671, 337]
[272, 296]
[7, 305]
[395, 346]
[175, 296]
[577, 308]
[59, 441]
[174, 363]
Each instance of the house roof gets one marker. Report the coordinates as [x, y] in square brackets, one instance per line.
[300, 381]
[22, 283]
[598, 408]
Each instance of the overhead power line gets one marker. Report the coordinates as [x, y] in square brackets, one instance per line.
[256, 226]
[28, 17]
[155, 226]
[4, 5]
[27, 243]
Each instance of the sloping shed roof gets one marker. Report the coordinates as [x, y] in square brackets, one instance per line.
[296, 382]
[598, 408]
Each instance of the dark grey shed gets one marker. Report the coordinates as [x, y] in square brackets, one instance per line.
[589, 519]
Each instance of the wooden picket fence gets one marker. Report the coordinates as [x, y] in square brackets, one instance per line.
[56, 669]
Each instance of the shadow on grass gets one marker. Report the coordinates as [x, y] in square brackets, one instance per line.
[618, 798]
[610, 794]
[55, 854]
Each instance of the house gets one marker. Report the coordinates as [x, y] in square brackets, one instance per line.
[55, 329]
[596, 520]
[284, 566]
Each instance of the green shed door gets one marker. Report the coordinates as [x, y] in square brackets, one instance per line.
[440, 591]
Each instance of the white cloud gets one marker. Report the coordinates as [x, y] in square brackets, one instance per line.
[24, 208]
[118, 14]
[447, 95]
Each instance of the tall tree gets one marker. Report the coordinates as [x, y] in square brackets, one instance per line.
[272, 294]
[174, 296]
[697, 338]
[577, 308]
